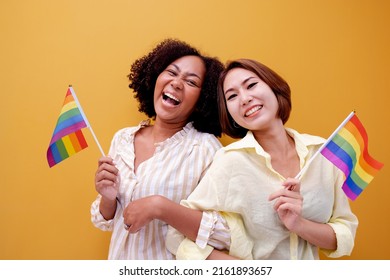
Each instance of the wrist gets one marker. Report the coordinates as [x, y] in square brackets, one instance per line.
[158, 203]
[107, 208]
[108, 201]
[299, 226]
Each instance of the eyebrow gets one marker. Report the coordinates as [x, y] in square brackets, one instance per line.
[189, 73]
[243, 83]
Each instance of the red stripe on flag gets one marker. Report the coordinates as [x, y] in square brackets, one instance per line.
[372, 162]
[81, 139]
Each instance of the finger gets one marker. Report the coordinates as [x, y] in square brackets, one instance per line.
[133, 229]
[286, 200]
[291, 187]
[127, 215]
[105, 159]
[292, 184]
[105, 184]
[109, 167]
[293, 208]
[283, 193]
[106, 175]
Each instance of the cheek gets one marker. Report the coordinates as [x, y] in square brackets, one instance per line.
[232, 109]
[161, 79]
[161, 82]
[194, 95]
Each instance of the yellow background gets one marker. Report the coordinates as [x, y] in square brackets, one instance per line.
[334, 54]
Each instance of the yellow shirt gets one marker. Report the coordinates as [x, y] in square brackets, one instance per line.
[240, 180]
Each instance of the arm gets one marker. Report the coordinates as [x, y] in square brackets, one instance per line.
[184, 220]
[219, 255]
[320, 235]
[187, 221]
[140, 212]
[238, 246]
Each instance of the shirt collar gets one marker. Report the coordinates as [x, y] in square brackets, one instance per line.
[177, 137]
[302, 142]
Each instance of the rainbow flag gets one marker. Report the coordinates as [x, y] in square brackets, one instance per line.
[68, 138]
[348, 150]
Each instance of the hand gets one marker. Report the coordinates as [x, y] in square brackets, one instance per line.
[140, 212]
[289, 203]
[106, 178]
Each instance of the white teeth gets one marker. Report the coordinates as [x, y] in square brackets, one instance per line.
[171, 96]
[253, 110]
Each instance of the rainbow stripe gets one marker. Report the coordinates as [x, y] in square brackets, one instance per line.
[68, 138]
[348, 150]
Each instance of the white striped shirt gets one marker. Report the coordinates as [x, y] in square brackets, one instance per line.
[173, 171]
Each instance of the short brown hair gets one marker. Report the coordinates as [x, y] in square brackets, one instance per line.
[277, 84]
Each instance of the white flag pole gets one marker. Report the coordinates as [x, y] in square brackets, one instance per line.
[86, 120]
[324, 145]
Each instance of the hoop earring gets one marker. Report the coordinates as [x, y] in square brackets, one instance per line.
[235, 125]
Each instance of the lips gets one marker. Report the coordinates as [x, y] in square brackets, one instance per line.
[253, 110]
[171, 99]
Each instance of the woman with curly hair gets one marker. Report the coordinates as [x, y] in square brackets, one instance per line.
[167, 155]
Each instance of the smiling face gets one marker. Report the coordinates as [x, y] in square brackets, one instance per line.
[250, 101]
[178, 89]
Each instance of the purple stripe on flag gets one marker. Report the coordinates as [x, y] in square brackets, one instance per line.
[348, 192]
[68, 130]
[50, 158]
[336, 161]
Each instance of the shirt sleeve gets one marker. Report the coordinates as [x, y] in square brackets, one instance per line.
[214, 231]
[241, 244]
[343, 222]
[98, 219]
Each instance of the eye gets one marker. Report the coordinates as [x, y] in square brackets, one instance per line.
[192, 83]
[251, 85]
[231, 96]
[171, 72]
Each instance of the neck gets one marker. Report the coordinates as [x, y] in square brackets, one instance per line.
[275, 141]
[162, 130]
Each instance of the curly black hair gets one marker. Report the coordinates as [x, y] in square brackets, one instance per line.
[145, 70]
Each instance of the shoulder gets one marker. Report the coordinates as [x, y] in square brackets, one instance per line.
[306, 139]
[123, 137]
[203, 139]
[231, 155]
[313, 139]
[125, 132]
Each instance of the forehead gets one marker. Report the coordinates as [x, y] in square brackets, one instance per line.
[236, 76]
[190, 64]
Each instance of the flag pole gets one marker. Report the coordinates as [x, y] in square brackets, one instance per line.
[85, 118]
[324, 145]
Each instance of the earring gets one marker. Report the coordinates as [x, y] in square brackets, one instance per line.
[235, 125]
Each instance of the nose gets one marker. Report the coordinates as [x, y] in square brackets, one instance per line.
[246, 99]
[177, 83]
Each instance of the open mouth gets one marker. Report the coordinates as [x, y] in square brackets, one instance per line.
[169, 98]
[253, 110]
